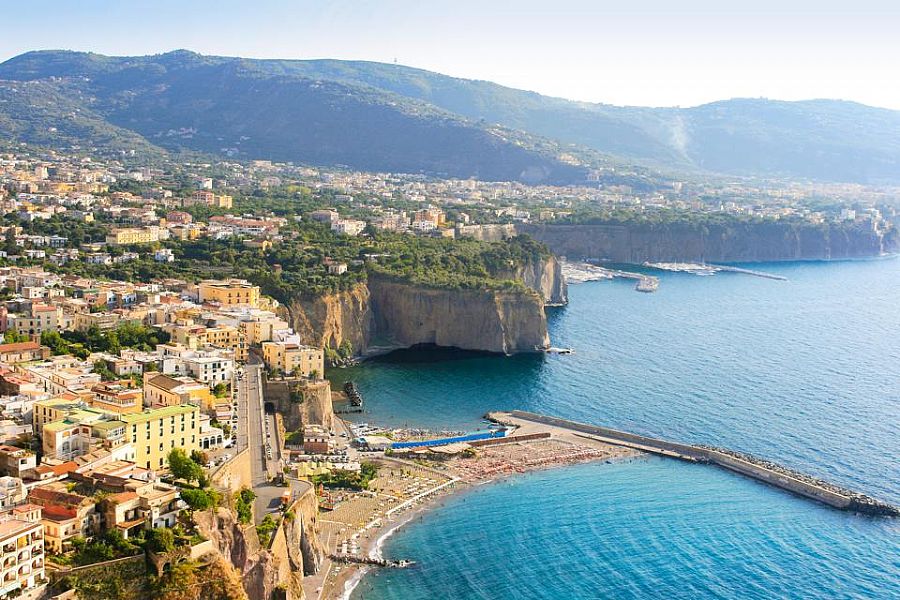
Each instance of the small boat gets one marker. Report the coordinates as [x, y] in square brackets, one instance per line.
[554, 350]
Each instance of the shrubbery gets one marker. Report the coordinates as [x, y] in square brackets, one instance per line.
[340, 478]
[243, 505]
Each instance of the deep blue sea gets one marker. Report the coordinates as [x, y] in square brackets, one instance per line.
[806, 372]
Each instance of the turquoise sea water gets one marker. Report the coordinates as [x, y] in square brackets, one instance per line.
[806, 372]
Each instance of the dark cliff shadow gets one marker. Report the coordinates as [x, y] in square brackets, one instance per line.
[432, 353]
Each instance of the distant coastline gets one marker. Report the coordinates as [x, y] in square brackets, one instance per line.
[727, 243]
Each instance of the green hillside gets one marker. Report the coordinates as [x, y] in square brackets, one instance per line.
[232, 107]
[388, 117]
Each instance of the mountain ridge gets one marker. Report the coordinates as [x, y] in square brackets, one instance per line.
[477, 128]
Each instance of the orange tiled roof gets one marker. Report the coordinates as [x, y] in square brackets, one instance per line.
[18, 346]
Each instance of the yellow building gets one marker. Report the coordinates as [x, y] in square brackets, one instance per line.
[294, 359]
[225, 336]
[152, 432]
[263, 329]
[195, 337]
[163, 390]
[234, 292]
[188, 334]
[132, 235]
[190, 231]
[155, 432]
[209, 199]
[52, 409]
[105, 321]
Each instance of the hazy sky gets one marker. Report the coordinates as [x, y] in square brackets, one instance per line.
[644, 52]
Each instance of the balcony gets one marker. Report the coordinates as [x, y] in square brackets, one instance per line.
[9, 586]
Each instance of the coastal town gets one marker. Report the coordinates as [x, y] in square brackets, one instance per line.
[112, 446]
[155, 201]
[162, 380]
[379, 301]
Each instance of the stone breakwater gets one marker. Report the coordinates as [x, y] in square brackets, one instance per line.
[858, 502]
[755, 468]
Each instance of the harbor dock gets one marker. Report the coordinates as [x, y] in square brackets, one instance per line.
[703, 268]
[352, 400]
[645, 283]
[586, 271]
[762, 274]
[755, 468]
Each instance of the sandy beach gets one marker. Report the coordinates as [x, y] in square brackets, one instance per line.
[405, 490]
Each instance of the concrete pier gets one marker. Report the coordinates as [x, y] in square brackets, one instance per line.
[758, 469]
[645, 283]
[762, 274]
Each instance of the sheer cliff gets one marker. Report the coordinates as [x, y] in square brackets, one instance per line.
[331, 319]
[545, 277]
[385, 314]
[503, 322]
[294, 552]
[739, 242]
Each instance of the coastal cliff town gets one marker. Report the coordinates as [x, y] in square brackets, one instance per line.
[119, 404]
[161, 200]
[167, 429]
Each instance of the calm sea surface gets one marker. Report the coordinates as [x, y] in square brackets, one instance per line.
[806, 372]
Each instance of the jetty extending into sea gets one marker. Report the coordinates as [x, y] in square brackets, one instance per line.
[576, 272]
[703, 268]
[645, 283]
[749, 466]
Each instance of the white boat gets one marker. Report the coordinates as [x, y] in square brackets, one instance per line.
[555, 350]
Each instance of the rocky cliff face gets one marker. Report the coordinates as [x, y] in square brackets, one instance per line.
[487, 232]
[741, 242]
[295, 550]
[330, 319]
[237, 543]
[545, 277]
[302, 533]
[502, 322]
[384, 315]
[301, 402]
